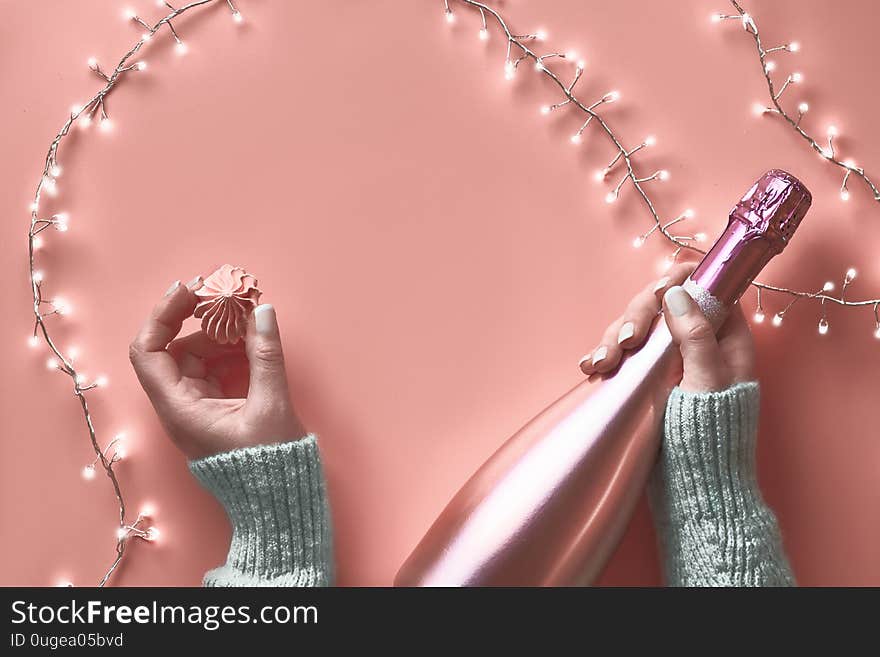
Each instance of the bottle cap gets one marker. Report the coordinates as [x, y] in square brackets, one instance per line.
[773, 207]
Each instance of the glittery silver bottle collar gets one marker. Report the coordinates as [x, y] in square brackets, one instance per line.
[712, 308]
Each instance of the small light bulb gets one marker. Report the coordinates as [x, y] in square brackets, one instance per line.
[38, 276]
[877, 332]
[119, 452]
[61, 220]
[803, 108]
[650, 140]
[129, 13]
[850, 275]
[826, 153]
[828, 287]
[101, 381]
[106, 125]
[180, 48]
[758, 109]
[50, 186]
[52, 364]
[545, 109]
[121, 533]
[151, 534]
[85, 121]
[72, 353]
[63, 583]
[60, 306]
[599, 176]
[33, 341]
[142, 66]
[80, 378]
[540, 35]
[539, 65]
[689, 213]
[76, 108]
[147, 511]
[663, 175]
[484, 34]
[797, 77]
[55, 170]
[238, 18]
[668, 261]
[611, 97]
[832, 131]
[759, 316]
[823, 326]
[93, 63]
[638, 241]
[38, 243]
[844, 194]
[610, 197]
[146, 36]
[770, 66]
[700, 237]
[777, 319]
[576, 138]
[794, 46]
[88, 472]
[571, 55]
[715, 18]
[849, 164]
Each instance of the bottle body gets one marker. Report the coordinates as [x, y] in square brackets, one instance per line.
[586, 457]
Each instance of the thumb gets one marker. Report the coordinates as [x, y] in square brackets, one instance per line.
[704, 367]
[268, 379]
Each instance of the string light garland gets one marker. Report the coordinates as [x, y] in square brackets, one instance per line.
[824, 148]
[45, 308]
[523, 48]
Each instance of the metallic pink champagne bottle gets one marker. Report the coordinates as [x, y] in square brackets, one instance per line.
[549, 507]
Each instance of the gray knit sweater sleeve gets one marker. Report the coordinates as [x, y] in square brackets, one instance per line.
[713, 525]
[276, 501]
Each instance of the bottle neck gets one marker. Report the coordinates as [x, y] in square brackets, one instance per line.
[733, 262]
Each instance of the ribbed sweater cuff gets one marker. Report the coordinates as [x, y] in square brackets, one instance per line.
[713, 523]
[276, 501]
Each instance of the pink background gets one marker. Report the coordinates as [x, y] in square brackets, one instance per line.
[439, 254]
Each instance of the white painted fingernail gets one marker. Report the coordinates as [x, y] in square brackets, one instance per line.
[663, 282]
[599, 355]
[195, 283]
[264, 316]
[173, 287]
[586, 358]
[677, 300]
[626, 332]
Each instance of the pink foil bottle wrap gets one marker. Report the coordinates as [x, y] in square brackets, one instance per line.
[226, 298]
[550, 506]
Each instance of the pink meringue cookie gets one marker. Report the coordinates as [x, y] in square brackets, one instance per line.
[226, 298]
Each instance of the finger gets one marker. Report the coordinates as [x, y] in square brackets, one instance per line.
[155, 367]
[675, 275]
[704, 368]
[606, 356]
[638, 318]
[199, 344]
[268, 379]
[737, 346]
